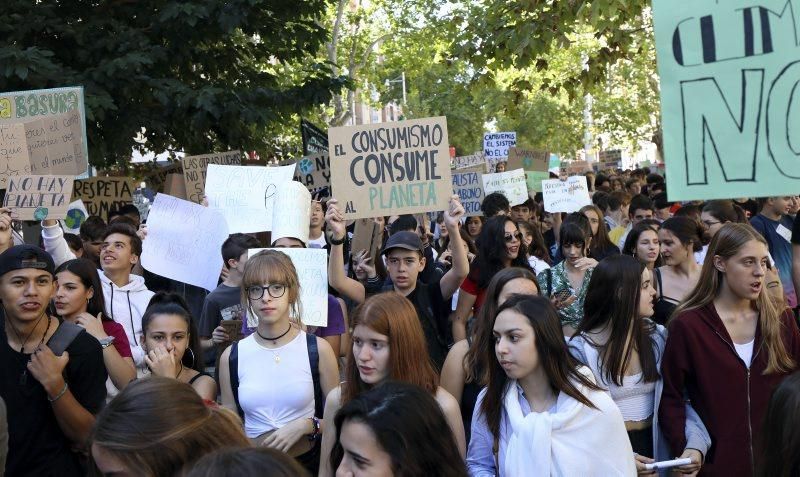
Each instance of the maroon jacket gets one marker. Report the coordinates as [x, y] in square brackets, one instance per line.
[700, 360]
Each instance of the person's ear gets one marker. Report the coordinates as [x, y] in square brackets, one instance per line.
[421, 263]
[91, 293]
[720, 264]
[232, 263]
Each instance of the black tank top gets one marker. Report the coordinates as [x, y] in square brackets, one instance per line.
[664, 305]
[469, 395]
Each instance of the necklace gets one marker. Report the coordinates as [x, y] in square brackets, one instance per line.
[267, 338]
[23, 377]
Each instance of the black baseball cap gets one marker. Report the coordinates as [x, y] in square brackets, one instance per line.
[405, 239]
[24, 256]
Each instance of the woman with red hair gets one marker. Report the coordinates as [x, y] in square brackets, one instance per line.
[388, 345]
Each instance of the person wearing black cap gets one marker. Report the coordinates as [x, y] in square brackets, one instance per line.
[405, 261]
[52, 376]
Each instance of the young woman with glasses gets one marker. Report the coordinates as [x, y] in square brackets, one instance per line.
[277, 377]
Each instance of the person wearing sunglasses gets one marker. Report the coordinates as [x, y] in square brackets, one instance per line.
[500, 246]
[276, 378]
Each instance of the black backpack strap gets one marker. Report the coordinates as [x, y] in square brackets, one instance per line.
[660, 285]
[233, 371]
[549, 281]
[313, 361]
[63, 337]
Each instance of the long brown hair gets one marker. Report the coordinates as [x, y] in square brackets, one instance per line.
[156, 426]
[391, 314]
[600, 240]
[725, 244]
[559, 365]
[475, 363]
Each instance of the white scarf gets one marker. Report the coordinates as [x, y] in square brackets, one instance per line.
[574, 441]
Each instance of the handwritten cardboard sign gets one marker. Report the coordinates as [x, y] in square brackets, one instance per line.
[76, 216]
[33, 105]
[184, 241]
[245, 195]
[314, 171]
[312, 272]
[578, 167]
[55, 144]
[196, 167]
[391, 168]
[367, 235]
[496, 145]
[469, 187]
[39, 197]
[466, 162]
[729, 99]
[534, 180]
[13, 152]
[527, 160]
[511, 183]
[101, 195]
[565, 196]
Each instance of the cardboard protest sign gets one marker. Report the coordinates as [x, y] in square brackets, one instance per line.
[469, 187]
[464, 162]
[534, 180]
[527, 160]
[184, 241]
[55, 145]
[76, 216]
[101, 195]
[391, 168]
[27, 106]
[578, 167]
[729, 101]
[13, 152]
[39, 197]
[244, 195]
[367, 235]
[511, 183]
[314, 171]
[175, 186]
[565, 196]
[196, 167]
[312, 272]
[496, 145]
[291, 212]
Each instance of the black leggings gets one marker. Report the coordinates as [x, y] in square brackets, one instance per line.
[642, 441]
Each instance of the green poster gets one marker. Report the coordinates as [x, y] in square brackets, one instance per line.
[535, 178]
[730, 97]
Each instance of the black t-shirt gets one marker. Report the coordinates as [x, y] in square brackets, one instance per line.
[224, 303]
[37, 446]
[796, 230]
[434, 314]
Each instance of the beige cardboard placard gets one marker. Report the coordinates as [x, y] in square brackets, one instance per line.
[364, 237]
[473, 160]
[526, 160]
[104, 194]
[39, 197]
[195, 169]
[391, 168]
[175, 185]
[13, 152]
[314, 171]
[55, 144]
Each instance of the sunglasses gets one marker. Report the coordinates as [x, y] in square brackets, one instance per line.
[512, 237]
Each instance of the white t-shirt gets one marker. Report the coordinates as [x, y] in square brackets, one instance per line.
[537, 264]
[317, 242]
[745, 351]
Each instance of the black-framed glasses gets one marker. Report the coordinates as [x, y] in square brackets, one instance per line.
[511, 237]
[256, 292]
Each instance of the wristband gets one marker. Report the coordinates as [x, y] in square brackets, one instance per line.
[315, 433]
[58, 396]
[334, 241]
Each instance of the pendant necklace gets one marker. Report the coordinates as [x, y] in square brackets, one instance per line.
[23, 378]
[276, 357]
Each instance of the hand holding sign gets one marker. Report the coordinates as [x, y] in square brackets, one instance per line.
[454, 212]
[335, 220]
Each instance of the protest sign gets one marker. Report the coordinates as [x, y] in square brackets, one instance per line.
[196, 167]
[314, 171]
[315, 141]
[291, 212]
[578, 167]
[367, 235]
[76, 216]
[26, 106]
[473, 160]
[496, 145]
[244, 195]
[469, 187]
[527, 160]
[511, 183]
[184, 241]
[55, 145]
[175, 186]
[39, 197]
[729, 74]
[534, 180]
[13, 152]
[312, 272]
[391, 168]
[565, 196]
[101, 195]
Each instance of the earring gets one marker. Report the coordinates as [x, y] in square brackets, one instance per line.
[193, 363]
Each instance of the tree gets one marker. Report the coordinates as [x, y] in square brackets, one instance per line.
[192, 75]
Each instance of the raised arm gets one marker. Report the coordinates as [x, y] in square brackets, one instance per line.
[336, 277]
[460, 269]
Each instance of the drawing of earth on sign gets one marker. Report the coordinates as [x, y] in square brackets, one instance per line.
[40, 213]
[527, 162]
[74, 218]
[306, 166]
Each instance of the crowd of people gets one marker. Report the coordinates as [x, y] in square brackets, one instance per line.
[515, 343]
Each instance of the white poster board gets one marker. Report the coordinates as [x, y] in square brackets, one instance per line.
[512, 184]
[244, 195]
[565, 196]
[312, 271]
[184, 241]
[495, 145]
